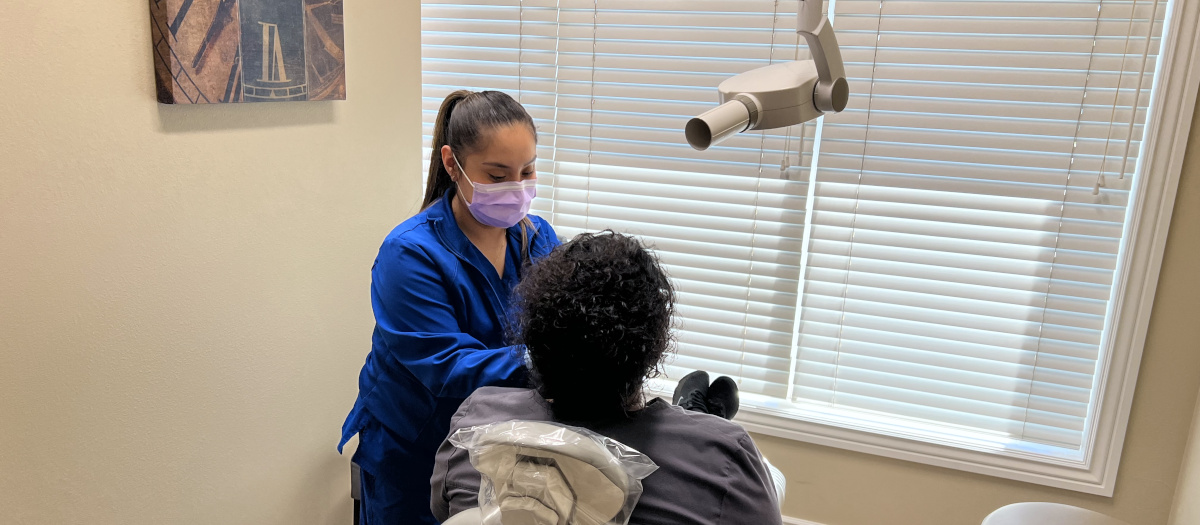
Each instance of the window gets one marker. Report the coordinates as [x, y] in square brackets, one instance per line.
[935, 274]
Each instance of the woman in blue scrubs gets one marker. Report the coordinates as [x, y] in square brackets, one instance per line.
[440, 290]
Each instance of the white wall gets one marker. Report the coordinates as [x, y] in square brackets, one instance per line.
[184, 290]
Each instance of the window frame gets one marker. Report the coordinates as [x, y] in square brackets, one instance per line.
[1095, 471]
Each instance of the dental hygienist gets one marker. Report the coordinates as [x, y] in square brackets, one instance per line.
[440, 289]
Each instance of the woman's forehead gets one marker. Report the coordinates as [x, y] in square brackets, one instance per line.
[508, 146]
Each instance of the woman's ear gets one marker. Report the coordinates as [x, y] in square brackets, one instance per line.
[449, 164]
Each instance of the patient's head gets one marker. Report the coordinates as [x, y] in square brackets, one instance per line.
[595, 316]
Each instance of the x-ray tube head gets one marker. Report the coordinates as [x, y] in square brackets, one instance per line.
[721, 122]
[782, 94]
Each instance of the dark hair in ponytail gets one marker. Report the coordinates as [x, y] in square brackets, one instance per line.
[464, 120]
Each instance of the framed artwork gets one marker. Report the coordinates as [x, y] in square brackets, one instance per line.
[222, 51]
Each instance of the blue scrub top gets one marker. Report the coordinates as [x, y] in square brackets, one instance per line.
[439, 334]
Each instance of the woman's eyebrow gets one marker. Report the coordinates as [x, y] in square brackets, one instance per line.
[505, 166]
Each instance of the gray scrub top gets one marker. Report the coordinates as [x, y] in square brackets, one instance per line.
[709, 471]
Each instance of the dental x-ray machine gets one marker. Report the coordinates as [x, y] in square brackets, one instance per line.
[779, 95]
[769, 97]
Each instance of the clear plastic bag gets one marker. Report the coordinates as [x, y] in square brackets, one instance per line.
[542, 473]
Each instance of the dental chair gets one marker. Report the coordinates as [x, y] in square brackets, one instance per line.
[579, 476]
[569, 479]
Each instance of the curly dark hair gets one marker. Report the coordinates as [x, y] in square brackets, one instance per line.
[595, 316]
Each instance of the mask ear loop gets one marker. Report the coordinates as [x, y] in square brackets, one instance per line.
[462, 172]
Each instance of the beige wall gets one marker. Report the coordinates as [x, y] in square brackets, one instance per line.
[1187, 494]
[183, 290]
[836, 487]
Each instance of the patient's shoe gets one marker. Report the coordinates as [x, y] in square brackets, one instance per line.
[692, 392]
[723, 398]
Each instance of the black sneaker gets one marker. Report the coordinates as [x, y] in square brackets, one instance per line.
[692, 392]
[723, 398]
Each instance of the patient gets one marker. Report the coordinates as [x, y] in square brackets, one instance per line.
[595, 316]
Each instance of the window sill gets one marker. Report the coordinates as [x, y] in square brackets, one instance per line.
[998, 457]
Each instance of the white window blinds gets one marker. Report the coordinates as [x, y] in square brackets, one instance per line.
[939, 256]
[960, 266]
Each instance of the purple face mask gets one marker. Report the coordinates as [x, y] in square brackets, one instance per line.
[500, 205]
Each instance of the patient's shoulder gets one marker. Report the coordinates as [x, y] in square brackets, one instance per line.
[689, 421]
[496, 404]
[500, 396]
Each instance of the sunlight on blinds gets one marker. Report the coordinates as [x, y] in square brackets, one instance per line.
[948, 261]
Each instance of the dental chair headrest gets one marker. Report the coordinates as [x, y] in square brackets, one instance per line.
[548, 474]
